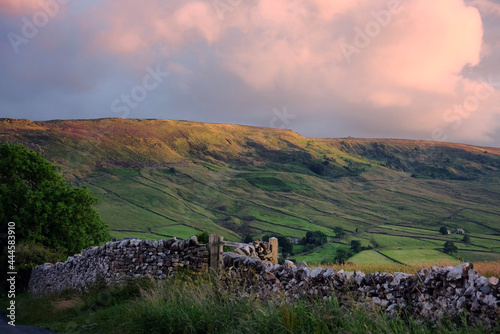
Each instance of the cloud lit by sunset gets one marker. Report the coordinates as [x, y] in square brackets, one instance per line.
[368, 68]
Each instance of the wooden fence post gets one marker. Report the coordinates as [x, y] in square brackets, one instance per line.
[221, 253]
[273, 243]
[213, 245]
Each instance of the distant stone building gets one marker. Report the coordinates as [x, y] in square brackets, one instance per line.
[459, 231]
[295, 240]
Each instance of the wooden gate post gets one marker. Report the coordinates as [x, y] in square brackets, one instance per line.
[216, 251]
[213, 248]
[273, 243]
[221, 253]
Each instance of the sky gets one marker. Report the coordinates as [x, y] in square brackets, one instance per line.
[416, 69]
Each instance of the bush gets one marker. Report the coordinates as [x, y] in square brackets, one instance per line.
[29, 255]
[203, 237]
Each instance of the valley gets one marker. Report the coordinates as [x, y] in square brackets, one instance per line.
[157, 179]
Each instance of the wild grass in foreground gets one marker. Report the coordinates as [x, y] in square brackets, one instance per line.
[194, 304]
[488, 269]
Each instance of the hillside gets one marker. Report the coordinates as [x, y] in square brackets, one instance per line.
[157, 178]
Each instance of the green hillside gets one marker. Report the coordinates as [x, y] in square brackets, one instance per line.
[160, 178]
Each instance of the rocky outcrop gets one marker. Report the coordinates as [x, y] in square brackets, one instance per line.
[115, 261]
[430, 293]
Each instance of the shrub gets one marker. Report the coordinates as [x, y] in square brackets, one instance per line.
[29, 255]
[203, 237]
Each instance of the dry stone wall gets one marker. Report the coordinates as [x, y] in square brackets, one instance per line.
[430, 293]
[119, 260]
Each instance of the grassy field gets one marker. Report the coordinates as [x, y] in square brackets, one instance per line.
[156, 203]
[416, 257]
[324, 253]
[370, 257]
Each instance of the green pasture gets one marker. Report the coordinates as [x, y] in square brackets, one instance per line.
[397, 212]
[370, 257]
[417, 256]
[325, 252]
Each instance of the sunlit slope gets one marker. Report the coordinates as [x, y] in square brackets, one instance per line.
[85, 145]
[160, 178]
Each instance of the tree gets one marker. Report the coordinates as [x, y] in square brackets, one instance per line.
[341, 256]
[317, 238]
[443, 230]
[339, 232]
[248, 239]
[46, 209]
[450, 248]
[466, 239]
[356, 246]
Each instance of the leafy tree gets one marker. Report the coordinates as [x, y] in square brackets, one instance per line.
[339, 232]
[466, 239]
[356, 246]
[443, 230]
[341, 256]
[317, 238]
[450, 248]
[47, 210]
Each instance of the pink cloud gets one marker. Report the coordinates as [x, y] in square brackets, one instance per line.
[410, 71]
[411, 66]
[428, 45]
[134, 28]
[17, 7]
